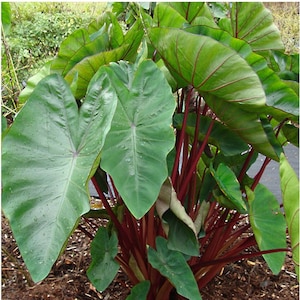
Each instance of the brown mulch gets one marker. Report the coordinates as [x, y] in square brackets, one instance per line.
[249, 279]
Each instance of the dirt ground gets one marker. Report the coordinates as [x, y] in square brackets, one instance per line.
[250, 279]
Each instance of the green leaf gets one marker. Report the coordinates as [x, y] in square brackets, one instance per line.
[33, 81]
[3, 124]
[103, 268]
[172, 265]
[167, 16]
[108, 24]
[77, 47]
[253, 23]
[226, 75]
[247, 125]
[229, 186]
[180, 236]
[139, 291]
[267, 222]
[290, 193]
[141, 136]
[84, 52]
[281, 101]
[5, 16]
[191, 10]
[291, 133]
[47, 157]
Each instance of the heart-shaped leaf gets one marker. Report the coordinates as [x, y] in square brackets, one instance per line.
[141, 135]
[268, 224]
[103, 268]
[48, 154]
[172, 265]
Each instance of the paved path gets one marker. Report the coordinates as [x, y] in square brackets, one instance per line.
[271, 177]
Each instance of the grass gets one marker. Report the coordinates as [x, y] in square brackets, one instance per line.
[286, 18]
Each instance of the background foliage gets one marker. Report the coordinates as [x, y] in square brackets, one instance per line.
[37, 30]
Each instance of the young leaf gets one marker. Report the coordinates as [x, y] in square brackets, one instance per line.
[172, 265]
[47, 157]
[103, 268]
[139, 291]
[141, 136]
[290, 193]
[268, 224]
[167, 199]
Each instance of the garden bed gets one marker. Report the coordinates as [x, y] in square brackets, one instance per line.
[249, 279]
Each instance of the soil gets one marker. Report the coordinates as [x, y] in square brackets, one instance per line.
[249, 279]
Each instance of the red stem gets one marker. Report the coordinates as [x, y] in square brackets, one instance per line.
[193, 166]
[181, 137]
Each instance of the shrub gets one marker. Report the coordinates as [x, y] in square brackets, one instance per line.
[166, 120]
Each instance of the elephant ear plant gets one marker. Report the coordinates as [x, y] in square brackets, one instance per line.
[165, 120]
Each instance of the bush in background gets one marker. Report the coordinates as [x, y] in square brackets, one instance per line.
[37, 30]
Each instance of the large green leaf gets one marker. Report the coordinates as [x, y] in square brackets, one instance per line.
[141, 135]
[281, 101]
[208, 65]
[268, 224]
[290, 193]
[252, 22]
[103, 268]
[172, 265]
[47, 157]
